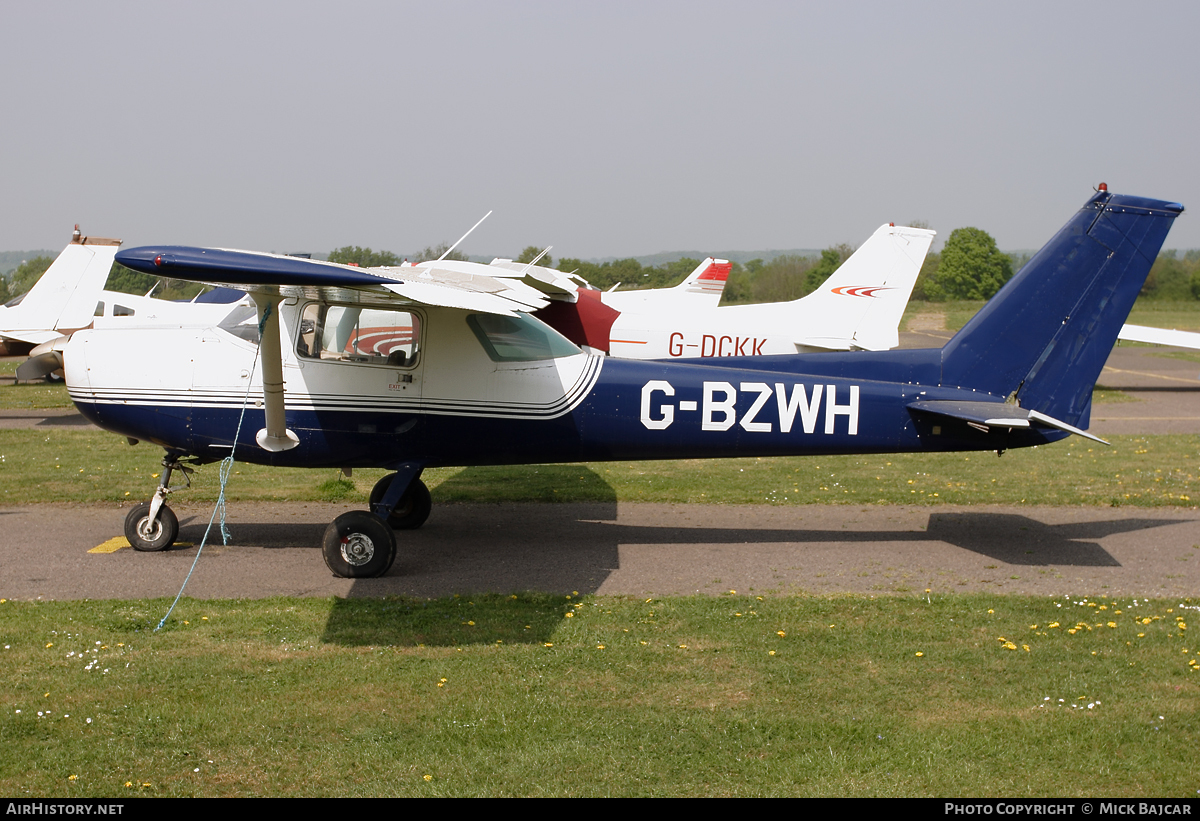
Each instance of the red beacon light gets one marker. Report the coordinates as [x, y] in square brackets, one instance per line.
[1103, 187]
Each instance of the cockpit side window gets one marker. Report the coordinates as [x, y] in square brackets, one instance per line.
[519, 338]
[372, 336]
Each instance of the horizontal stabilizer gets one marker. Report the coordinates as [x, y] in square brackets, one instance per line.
[987, 415]
[1159, 336]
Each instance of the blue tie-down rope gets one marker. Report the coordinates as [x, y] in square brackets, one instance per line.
[223, 473]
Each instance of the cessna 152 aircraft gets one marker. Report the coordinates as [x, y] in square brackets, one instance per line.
[408, 368]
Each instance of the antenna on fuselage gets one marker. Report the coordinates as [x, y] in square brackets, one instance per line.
[535, 259]
[464, 236]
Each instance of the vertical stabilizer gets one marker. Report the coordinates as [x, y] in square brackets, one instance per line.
[1044, 338]
[864, 299]
[64, 298]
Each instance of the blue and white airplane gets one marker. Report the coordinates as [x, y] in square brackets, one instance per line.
[409, 368]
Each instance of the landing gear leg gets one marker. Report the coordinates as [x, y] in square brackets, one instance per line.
[152, 525]
[361, 544]
[402, 498]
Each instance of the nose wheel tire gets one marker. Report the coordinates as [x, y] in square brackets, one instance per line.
[358, 545]
[146, 535]
[413, 508]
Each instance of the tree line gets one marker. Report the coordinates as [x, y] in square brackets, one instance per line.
[969, 267]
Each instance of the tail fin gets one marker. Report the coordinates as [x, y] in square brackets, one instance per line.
[1043, 339]
[700, 291]
[65, 297]
[864, 299]
[708, 280]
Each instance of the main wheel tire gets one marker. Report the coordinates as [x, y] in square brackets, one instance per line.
[358, 545]
[151, 536]
[413, 508]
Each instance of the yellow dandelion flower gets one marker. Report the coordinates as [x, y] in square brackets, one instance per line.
[780, 633]
[428, 777]
[919, 654]
[72, 777]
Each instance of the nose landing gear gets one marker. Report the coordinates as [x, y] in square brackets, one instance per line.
[153, 526]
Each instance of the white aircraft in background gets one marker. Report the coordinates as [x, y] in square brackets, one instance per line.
[858, 308]
[63, 300]
[70, 296]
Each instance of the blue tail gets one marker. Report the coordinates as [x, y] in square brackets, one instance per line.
[1044, 338]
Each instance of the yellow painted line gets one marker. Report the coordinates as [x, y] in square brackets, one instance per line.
[117, 542]
[1147, 418]
[1154, 375]
[111, 546]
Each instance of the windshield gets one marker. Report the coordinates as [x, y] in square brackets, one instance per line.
[519, 338]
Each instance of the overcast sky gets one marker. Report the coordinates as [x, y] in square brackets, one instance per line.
[605, 129]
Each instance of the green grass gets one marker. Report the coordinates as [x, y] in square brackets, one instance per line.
[32, 395]
[69, 466]
[1180, 315]
[533, 695]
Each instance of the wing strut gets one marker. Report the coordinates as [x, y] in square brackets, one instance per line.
[275, 437]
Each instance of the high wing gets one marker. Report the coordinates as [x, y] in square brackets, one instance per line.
[443, 284]
[553, 283]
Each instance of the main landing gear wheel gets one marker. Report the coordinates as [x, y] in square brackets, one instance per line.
[413, 508]
[146, 535]
[358, 545]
